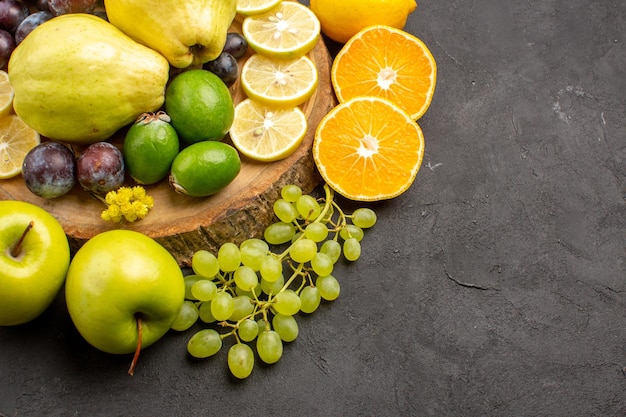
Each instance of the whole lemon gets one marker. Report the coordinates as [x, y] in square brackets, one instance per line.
[341, 20]
[200, 106]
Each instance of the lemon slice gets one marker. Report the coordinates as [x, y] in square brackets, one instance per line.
[253, 7]
[287, 31]
[282, 83]
[16, 139]
[265, 133]
[6, 94]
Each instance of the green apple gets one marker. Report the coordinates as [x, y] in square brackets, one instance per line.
[34, 258]
[123, 291]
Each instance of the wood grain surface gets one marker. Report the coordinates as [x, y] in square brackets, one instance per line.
[185, 224]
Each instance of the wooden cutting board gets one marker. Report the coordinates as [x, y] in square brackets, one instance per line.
[185, 224]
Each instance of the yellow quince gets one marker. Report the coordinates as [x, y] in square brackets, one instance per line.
[79, 79]
[187, 33]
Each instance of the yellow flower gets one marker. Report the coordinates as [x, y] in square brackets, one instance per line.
[127, 203]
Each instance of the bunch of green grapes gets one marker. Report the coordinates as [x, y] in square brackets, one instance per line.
[253, 291]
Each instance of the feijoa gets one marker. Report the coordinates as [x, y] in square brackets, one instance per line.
[150, 146]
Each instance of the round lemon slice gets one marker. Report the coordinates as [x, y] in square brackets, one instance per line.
[267, 134]
[16, 139]
[253, 7]
[6, 94]
[282, 83]
[289, 30]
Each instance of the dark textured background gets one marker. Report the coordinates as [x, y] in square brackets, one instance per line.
[494, 287]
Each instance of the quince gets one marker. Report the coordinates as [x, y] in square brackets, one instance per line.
[78, 79]
[187, 33]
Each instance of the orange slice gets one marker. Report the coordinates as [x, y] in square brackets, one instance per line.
[385, 62]
[368, 149]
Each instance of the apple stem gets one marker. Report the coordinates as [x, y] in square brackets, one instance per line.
[18, 246]
[131, 370]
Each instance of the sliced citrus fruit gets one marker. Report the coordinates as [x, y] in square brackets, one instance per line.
[6, 94]
[385, 62]
[266, 133]
[16, 139]
[368, 149]
[252, 7]
[289, 30]
[283, 83]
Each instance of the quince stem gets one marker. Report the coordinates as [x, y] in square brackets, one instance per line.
[18, 245]
[131, 370]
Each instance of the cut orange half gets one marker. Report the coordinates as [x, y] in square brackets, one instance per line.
[385, 62]
[368, 149]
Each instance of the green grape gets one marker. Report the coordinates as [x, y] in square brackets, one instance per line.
[291, 193]
[364, 218]
[287, 302]
[269, 346]
[240, 360]
[245, 278]
[205, 264]
[310, 299]
[286, 327]
[263, 325]
[302, 250]
[285, 211]
[189, 281]
[254, 291]
[316, 231]
[271, 268]
[272, 287]
[332, 248]
[351, 230]
[258, 244]
[253, 251]
[248, 330]
[204, 312]
[203, 290]
[205, 343]
[229, 257]
[222, 306]
[352, 249]
[329, 287]
[308, 207]
[279, 233]
[296, 237]
[187, 316]
[243, 307]
[322, 264]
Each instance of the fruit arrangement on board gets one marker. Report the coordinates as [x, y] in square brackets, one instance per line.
[116, 97]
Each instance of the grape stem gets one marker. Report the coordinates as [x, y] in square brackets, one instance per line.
[18, 245]
[133, 364]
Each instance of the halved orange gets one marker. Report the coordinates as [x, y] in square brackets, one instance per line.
[368, 149]
[386, 62]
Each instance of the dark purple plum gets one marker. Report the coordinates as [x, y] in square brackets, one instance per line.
[42, 5]
[59, 7]
[236, 44]
[100, 168]
[12, 12]
[49, 170]
[224, 66]
[30, 23]
[7, 45]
